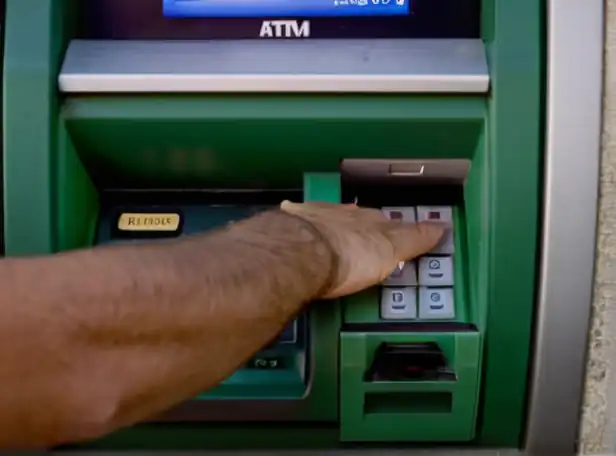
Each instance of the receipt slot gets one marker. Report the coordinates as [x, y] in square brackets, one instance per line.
[151, 119]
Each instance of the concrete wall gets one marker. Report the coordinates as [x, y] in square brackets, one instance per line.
[598, 432]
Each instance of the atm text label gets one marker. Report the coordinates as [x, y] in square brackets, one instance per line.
[149, 222]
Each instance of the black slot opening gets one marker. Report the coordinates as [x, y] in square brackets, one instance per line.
[210, 197]
[158, 214]
[408, 402]
[2, 152]
[415, 361]
[379, 195]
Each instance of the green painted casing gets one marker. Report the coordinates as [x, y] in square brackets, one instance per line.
[319, 392]
[416, 411]
[181, 141]
[403, 411]
[321, 399]
[512, 181]
[59, 151]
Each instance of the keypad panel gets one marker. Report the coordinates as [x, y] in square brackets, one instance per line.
[422, 289]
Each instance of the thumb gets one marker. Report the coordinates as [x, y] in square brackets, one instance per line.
[413, 240]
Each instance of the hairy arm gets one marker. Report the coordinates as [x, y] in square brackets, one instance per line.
[98, 339]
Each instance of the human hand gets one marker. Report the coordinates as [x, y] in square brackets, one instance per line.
[368, 246]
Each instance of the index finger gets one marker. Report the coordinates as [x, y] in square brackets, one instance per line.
[413, 240]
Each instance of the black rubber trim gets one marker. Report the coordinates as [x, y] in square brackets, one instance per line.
[2, 34]
[409, 327]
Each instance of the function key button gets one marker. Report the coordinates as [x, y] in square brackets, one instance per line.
[399, 303]
[405, 277]
[404, 214]
[434, 214]
[436, 304]
[436, 271]
[439, 214]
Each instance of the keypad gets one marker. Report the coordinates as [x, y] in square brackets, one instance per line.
[422, 289]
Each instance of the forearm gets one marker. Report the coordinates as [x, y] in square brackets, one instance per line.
[114, 335]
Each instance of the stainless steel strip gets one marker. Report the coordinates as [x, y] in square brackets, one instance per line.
[383, 65]
[572, 161]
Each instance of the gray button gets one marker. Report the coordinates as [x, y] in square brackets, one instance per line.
[436, 271]
[436, 304]
[399, 303]
[439, 214]
[405, 214]
[407, 277]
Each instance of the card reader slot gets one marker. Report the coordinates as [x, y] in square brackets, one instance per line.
[414, 361]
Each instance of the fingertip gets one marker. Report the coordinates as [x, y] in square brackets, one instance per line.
[413, 240]
[433, 229]
[287, 205]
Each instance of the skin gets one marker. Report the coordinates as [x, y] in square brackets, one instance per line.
[99, 339]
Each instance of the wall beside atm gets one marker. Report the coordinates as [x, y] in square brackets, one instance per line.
[598, 429]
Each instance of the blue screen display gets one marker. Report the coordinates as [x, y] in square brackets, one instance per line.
[283, 8]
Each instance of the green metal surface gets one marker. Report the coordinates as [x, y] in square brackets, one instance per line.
[166, 141]
[514, 42]
[59, 152]
[324, 321]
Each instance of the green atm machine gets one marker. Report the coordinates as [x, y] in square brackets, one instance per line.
[146, 119]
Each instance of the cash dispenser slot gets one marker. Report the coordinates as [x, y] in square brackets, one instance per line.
[415, 361]
[411, 348]
[404, 362]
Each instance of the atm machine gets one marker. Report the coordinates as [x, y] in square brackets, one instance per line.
[137, 119]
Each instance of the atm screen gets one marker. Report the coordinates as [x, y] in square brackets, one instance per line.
[244, 19]
[291, 8]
